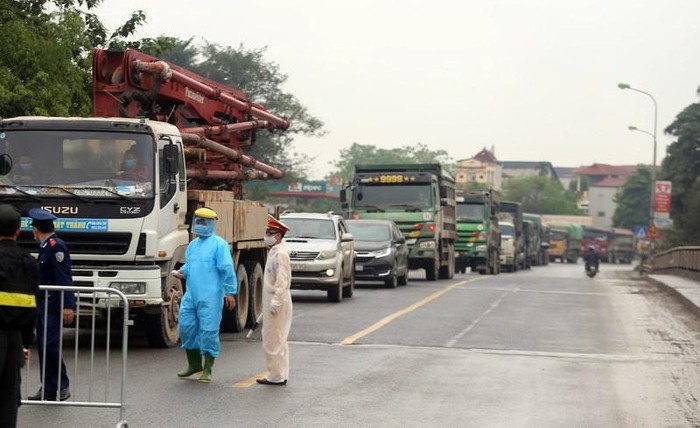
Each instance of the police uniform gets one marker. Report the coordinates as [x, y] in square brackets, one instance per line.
[54, 269]
[18, 287]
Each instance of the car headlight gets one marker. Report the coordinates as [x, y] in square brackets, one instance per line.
[427, 244]
[325, 255]
[381, 253]
[129, 287]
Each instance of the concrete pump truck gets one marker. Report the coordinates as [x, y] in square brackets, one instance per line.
[124, 184]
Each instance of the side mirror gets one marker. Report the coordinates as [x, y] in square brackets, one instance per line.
[343, 197]
[170, 161]
[5, 164]
[346, 237]
[401, 239]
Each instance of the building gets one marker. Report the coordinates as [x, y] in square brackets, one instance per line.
[566, 175]
[604, 184]
[520, 169]
[483, 168]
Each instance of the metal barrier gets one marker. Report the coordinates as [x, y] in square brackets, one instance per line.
[97, 300]
[685, 258]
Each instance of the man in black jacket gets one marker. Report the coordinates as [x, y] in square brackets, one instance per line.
[18, 288]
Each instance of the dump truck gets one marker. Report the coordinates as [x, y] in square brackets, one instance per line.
[512, 213]
[540, 240]
[125, 230]
[478, 238]
[600, 238]
[565, 242]
[623, 246]
[420, 199]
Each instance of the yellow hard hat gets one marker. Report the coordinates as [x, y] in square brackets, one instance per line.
[206, 213]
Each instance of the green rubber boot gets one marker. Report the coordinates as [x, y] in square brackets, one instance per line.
[194, 363]
[206, 373]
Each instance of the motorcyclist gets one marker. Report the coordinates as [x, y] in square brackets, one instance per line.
[591, 257]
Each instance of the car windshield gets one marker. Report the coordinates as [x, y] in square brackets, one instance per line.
[82, 163]
[369, 231]
[310, 228]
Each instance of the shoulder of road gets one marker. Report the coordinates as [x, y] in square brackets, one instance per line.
[686, 287]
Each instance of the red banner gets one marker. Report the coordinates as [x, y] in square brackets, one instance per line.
[662, 199]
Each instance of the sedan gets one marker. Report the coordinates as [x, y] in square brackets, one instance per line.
[381, 252]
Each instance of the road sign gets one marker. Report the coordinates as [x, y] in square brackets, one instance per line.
[641, 231]
[662, 199]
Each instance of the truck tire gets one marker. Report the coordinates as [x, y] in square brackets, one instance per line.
[255, 286]
[162, 328]
[335, 292]
[431, 271]
[448, 271]
[234, 321]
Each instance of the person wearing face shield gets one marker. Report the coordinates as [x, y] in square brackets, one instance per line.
[277, 305]
[211, 281]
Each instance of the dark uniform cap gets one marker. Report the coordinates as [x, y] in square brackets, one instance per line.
[39, 215]
[9, 217]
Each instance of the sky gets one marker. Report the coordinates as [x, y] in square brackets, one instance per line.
[535, 80]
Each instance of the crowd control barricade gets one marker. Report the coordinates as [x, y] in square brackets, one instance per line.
[91, 380]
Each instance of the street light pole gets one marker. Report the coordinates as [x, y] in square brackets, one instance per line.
[653, 165]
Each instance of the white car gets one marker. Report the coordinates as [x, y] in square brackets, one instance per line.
[322, 253]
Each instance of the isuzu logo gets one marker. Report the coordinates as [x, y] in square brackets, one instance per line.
[129, 210]
[60, 210]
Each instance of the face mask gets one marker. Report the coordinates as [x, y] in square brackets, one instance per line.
[270, 240]
[201, 230]
[25, 167]
[128, 164]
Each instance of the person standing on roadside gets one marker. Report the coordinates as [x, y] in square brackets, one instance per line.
[19, 280]
[58, 306]
[211, 282]
[277, 305]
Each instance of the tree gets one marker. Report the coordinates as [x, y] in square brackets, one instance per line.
[682, 167]
[44, 55]
[363, 154]
[633, 201]
[540, 195]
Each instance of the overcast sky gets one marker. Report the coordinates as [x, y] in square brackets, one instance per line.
[535, 79]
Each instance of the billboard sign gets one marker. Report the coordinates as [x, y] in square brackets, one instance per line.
[662, 199]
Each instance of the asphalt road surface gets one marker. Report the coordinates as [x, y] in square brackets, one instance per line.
[547, 347]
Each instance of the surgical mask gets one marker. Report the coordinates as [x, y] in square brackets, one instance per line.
[128, 164]
[270, 240]
[203, 227]
[25, 167]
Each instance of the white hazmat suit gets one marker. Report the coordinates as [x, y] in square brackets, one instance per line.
[277, 313]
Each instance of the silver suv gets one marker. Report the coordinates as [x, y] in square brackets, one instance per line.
[322, 253]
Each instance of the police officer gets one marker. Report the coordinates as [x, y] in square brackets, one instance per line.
[18, 287]
[54, 269]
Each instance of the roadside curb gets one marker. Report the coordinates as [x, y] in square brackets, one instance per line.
[689, 304]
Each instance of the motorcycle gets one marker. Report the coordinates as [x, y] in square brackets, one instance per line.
[591, 269]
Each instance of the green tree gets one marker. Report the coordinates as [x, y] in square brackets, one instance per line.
[44, 55]
[633, 201]
[681, 166]
[540, 195]
[365, 154]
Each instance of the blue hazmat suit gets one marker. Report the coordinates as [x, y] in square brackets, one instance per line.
[210, 275]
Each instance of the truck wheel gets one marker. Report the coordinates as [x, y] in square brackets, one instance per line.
[161, 329]
[431, 271]
[255, 285]
[335, 292]
[234, 321]
[349, 289]
[448, 271]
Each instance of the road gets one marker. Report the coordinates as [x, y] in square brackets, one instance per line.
[547, 347]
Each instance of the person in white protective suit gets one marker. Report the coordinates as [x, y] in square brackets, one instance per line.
[211, 280]
[277, 305]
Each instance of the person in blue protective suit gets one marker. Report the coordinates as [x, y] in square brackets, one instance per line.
[56, 310]
[211, 281]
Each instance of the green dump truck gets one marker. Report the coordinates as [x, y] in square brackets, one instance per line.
[478, 242]
[420, 199]
[539, 241]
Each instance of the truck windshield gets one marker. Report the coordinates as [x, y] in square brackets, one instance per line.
[471, 212]
[402, 197]
[80, 163]
[506, 229]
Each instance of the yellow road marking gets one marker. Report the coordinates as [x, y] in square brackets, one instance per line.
[386, 320]
[250, 381]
